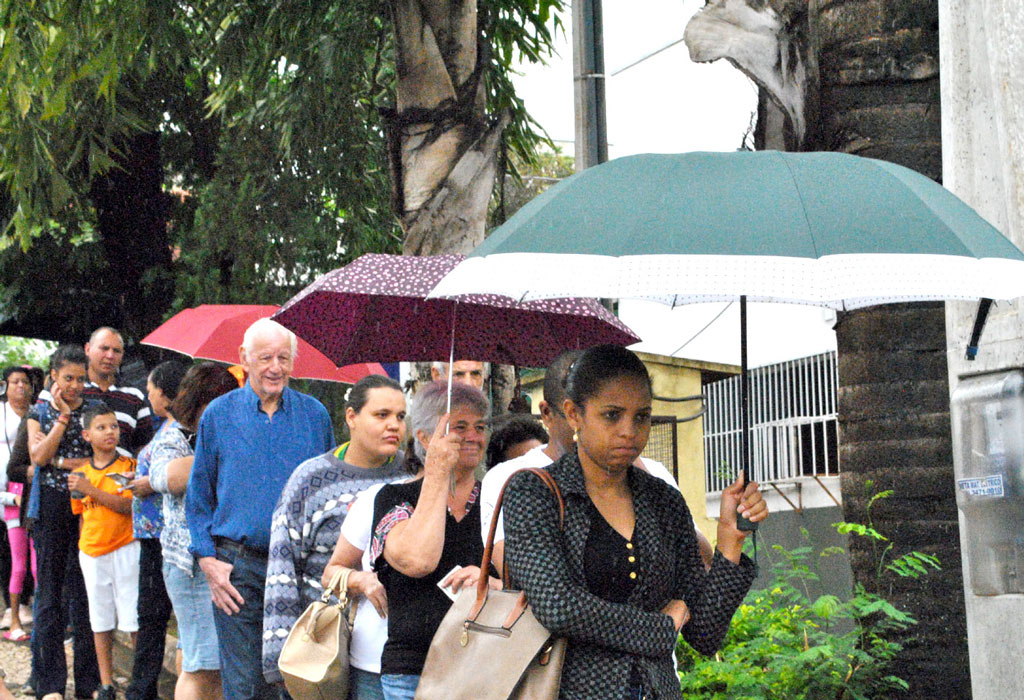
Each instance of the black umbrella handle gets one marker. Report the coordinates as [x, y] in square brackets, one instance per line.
[742, 524]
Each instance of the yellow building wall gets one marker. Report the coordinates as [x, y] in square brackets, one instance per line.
[672, 377]
[675, 377]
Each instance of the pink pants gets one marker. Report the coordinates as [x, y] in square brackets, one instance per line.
[21, 546]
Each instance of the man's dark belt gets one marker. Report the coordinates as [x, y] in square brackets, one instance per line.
[238, 548]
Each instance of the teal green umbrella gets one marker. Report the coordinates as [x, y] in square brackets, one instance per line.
[827, 229]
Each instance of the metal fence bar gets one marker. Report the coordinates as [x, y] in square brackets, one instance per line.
[793, 414]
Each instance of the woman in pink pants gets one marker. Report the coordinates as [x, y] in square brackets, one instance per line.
[17, 396]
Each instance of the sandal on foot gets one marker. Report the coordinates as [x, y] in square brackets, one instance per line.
[18, 635]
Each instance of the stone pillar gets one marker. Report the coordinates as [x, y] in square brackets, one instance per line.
[981, 55]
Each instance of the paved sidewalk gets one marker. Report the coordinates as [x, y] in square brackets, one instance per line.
[16, 660]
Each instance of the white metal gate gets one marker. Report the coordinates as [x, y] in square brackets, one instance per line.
[793, 428]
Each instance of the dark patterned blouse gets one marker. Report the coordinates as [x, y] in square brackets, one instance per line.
[611, 645]
[72, 444]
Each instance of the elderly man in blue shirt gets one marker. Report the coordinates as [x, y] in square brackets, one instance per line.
[249, 442]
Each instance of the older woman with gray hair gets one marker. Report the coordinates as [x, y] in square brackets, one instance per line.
[425, 535]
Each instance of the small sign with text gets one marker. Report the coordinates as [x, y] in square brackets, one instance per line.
[982, 486]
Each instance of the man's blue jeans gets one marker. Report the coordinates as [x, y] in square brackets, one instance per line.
[240, 636]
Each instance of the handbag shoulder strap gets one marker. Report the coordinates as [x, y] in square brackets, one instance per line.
[481, 586]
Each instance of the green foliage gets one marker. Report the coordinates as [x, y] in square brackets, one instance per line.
[76, 77]
[527, 179]
[518, 31]
[25, 351]
[259, 231]
[269, 118]
[782, 645]
[72, 78]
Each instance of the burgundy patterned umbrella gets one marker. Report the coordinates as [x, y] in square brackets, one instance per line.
[375, 309]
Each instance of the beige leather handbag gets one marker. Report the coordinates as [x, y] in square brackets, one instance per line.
[314, 660]
[489, 645]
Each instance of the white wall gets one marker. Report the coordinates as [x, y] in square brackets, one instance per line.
[982, 54]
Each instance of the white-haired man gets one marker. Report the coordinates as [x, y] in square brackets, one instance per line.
[466, 371]
[249, 442]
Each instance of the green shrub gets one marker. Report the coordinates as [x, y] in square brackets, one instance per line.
[783, 646]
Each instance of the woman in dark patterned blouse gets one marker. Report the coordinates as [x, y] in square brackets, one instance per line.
[55, 441]
[625, 576]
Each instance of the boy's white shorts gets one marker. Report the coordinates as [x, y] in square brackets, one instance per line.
[112, 584]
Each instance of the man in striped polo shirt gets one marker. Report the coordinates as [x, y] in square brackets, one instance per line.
[105, 351]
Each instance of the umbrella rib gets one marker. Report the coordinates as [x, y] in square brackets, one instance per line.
[803, 209]
[708, 325]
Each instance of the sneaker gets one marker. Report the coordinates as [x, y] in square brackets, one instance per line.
[26, 615]
[106, 692]
[5, 621]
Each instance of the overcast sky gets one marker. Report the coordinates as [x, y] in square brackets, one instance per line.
[668, 104]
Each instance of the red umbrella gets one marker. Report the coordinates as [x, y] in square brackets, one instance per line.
[214, 332]
[376, 308]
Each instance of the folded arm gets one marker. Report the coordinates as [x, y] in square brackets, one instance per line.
[536, 557]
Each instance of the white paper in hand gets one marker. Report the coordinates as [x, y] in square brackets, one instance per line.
[447, 590]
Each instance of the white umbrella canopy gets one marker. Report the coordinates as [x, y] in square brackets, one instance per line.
[826, 229]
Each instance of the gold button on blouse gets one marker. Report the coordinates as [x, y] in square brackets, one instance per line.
[632, 574]
[629, 545]
[632, 559]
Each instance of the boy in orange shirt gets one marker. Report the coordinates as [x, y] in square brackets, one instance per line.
[108, 553]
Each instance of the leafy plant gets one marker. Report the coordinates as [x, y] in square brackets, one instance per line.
[24, 351]
[784, 645]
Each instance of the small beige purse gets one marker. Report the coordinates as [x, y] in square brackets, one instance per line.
[314, 660]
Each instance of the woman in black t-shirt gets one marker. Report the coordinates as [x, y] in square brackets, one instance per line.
[426, 533]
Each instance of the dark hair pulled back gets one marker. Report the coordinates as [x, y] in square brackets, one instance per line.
[512, 429]
[360, 392]
[599, 365]
[166, 377]
[200, 385]
[68, 355]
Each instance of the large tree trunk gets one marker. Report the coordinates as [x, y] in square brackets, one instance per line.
[132, 212]
[864, 76]
[879, 82]
[443, 145]
[880, 98]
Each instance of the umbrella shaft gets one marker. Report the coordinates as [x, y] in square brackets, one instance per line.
[741, 522]
[744, 392]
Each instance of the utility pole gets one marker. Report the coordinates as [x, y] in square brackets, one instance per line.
[588, 84]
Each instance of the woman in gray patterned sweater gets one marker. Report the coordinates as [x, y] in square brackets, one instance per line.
[308, 518]
[624, 577]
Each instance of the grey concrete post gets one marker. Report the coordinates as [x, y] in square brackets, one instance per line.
[982, 51]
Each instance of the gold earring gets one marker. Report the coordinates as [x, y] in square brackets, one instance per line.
[576, 435]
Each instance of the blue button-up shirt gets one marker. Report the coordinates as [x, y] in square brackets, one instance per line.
[243, 459]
